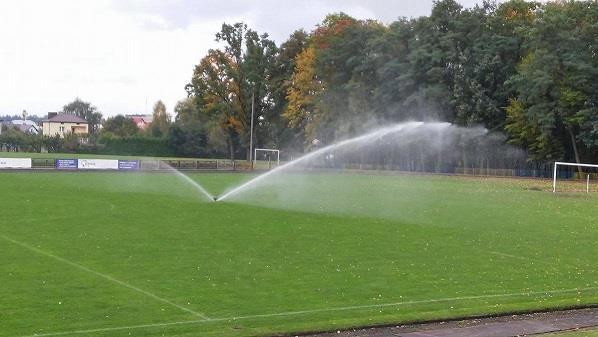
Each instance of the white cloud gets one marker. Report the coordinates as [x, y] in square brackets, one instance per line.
[53, 51]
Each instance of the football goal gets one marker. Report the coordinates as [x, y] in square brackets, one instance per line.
[264, 158]
[578, 180]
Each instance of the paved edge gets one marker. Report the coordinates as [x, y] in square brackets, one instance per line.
[514, 324]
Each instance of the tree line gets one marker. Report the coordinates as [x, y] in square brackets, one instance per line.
[526, 69]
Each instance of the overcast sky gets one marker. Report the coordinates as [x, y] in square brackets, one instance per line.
[123, 55]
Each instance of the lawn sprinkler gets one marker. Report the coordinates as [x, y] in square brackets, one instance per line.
[215, 198]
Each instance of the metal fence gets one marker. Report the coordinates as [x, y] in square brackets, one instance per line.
[526, 170]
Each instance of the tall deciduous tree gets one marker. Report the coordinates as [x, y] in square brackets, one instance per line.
[188, 135]
[278, 133]
[216, 92]
[226, 81]
[303, 93]
[160, 120]
[556, 84]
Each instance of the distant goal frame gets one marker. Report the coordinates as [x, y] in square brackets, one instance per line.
[556, 165]
[255, 151]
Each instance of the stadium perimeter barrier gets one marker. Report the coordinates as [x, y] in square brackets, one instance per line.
[538, 171]
[121, 165]
[525, 171]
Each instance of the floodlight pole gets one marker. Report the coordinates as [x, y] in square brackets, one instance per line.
[251, 130]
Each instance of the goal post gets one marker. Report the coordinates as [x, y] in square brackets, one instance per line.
[274, 152]
[556, 165]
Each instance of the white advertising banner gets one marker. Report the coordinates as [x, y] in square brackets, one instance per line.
[17, 163]
[97, 164]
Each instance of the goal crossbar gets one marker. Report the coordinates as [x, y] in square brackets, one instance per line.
[556, 165]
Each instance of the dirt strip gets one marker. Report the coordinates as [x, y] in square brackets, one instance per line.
[502, 326]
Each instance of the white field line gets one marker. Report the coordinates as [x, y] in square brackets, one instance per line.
[509, 255]
[104, 276]
[524, 258]
[303, 312]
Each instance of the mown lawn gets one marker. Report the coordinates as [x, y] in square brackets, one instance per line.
[144, 254]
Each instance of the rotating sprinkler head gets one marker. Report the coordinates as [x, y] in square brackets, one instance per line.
[215, 198]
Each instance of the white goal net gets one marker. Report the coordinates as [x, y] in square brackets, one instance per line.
[266, 158]
[574, 177]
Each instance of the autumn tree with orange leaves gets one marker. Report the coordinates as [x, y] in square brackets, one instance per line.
[226, 80]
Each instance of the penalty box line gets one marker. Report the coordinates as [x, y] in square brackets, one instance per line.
[104, 276]
[303, 312]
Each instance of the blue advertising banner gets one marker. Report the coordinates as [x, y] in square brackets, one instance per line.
[66, 164]
[128, 164]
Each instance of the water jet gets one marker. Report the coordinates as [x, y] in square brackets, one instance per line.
[367, 137]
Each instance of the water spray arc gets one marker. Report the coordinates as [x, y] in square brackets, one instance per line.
[192, 182]
[363, 138]
[197, 186]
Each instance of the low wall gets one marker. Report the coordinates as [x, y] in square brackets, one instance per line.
[69, 164]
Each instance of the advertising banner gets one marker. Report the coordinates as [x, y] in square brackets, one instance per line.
[15, 163]
[66, 164]
[97, 164]
[128, 164]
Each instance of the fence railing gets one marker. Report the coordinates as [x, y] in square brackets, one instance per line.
[541, 171]
[114, 164]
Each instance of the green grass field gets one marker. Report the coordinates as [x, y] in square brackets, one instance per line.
[133, 254]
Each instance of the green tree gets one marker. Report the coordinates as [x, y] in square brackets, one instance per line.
[494, 55]
[226, 81]
[303, 93]
[556, 84]
[279, 132]
[350, 78]
[13, 140]
[187, 112]
[216, 93]
[331, 87]
[189, 141]
[53, 144]
[121, 126]
[160, 120]
[188, 136]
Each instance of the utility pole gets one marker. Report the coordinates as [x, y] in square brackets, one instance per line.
[251, 130]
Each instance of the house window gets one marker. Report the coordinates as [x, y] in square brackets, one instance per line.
[61, 128]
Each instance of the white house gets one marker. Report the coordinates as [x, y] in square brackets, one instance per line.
[25, 125]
